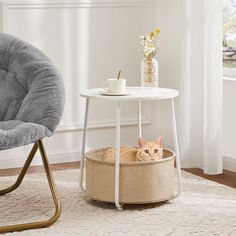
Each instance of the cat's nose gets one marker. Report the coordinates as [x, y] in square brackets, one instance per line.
[151, 154]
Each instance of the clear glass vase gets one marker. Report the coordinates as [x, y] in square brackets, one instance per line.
[149, 72]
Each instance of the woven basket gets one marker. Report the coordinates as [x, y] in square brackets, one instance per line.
[140, 182]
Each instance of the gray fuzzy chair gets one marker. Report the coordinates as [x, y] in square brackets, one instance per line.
[31, 105]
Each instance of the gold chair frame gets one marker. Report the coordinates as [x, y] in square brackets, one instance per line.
[40, 224]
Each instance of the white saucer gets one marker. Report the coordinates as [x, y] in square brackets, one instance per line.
[116, 94]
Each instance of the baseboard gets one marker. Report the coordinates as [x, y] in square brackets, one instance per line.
[229, 163]
[54, 158]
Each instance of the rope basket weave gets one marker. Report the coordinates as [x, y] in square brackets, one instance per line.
[140, 181]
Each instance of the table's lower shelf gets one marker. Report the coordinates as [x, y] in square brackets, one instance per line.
[140, 182]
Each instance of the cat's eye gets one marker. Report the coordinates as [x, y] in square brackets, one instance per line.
[156, 151]
[146, 151]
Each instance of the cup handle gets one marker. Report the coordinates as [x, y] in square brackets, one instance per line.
[105, 84]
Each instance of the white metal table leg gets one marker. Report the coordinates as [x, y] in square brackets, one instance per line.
[83, 146]
[117, 163]
[175, 138]
[139, 119]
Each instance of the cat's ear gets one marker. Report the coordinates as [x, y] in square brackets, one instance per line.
[141, 142]
[160, 141]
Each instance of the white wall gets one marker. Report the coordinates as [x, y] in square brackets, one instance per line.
[229, 124]
[89, 41]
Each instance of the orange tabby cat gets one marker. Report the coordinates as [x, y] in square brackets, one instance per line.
[147, 151]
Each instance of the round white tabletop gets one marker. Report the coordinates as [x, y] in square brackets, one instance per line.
[134, 93]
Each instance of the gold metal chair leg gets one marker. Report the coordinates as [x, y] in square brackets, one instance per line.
[22, 173]
[40, 224]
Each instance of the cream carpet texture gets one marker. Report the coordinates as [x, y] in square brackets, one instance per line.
[205, 208]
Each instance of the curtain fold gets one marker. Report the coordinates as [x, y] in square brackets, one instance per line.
[212, 151]
[200, 83]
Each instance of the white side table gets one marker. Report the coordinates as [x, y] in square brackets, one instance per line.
[139, 94]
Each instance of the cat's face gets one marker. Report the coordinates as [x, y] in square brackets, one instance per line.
[149, 151]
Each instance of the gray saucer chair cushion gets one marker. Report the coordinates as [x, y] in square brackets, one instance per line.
[31, 93]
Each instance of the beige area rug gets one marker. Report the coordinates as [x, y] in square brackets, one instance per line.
[204, 208]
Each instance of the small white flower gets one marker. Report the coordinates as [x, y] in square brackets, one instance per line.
[149, 44]
[153, 49]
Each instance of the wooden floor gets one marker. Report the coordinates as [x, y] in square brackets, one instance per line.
[228, 178]
[36, 169]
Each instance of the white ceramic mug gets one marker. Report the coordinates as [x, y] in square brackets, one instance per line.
[115, 85]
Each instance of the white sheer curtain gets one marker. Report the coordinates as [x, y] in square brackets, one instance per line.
[200, 123]
[191, 61]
